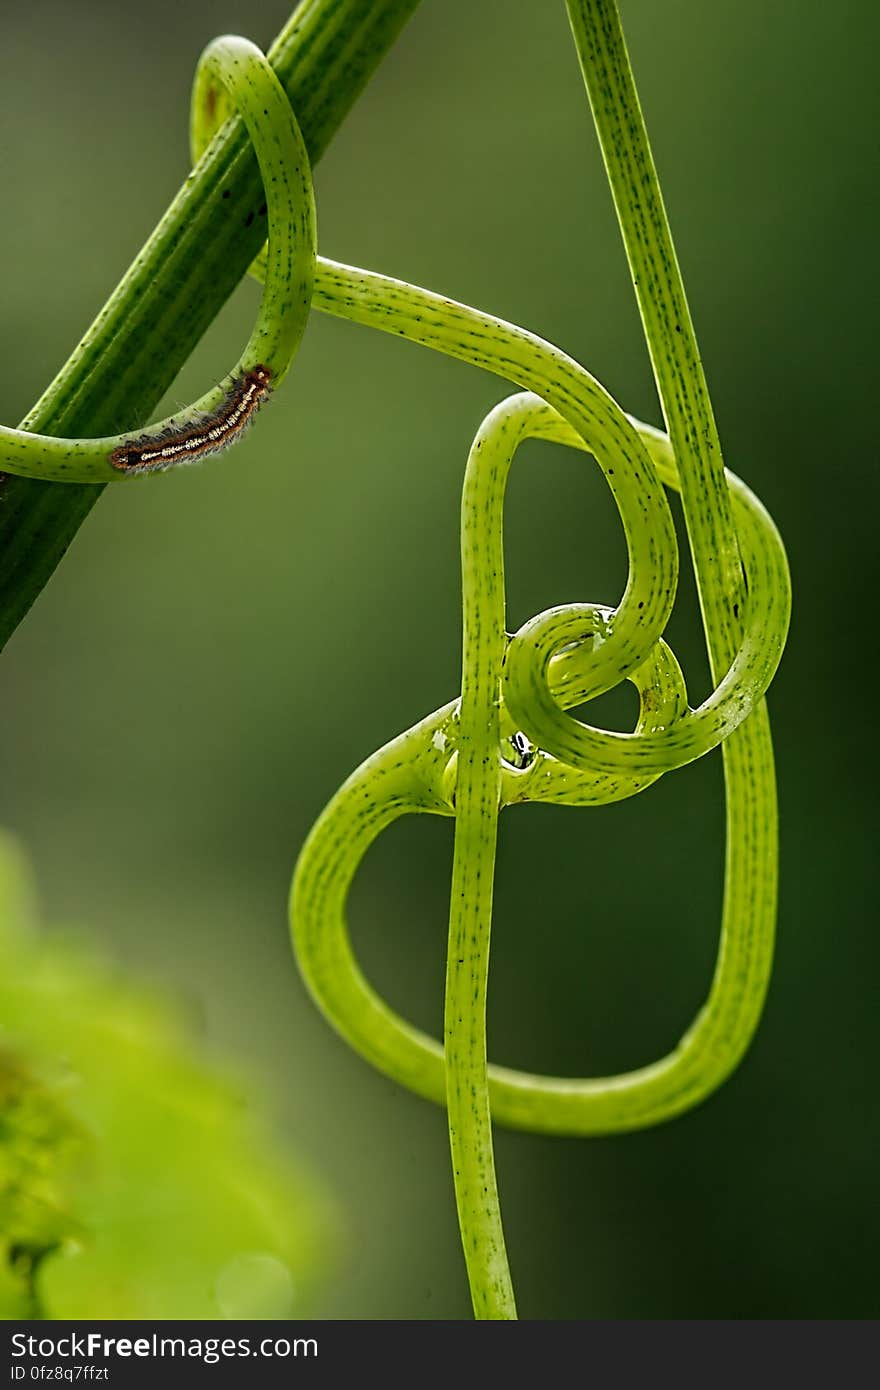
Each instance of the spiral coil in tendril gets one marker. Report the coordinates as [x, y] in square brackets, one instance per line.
[509, 738]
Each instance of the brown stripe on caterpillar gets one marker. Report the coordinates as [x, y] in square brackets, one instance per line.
[211, 432]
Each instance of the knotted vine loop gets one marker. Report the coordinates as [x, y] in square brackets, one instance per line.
[461, 761]
[420, 772]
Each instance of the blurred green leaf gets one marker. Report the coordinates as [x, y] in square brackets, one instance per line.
[136, 1180]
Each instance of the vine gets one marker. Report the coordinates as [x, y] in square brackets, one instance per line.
[508, 738]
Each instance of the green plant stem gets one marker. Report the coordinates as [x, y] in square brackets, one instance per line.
[467, 967]
[199, 251]
[666, 318]
[477, 800]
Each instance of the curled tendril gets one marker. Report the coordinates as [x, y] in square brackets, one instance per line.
[238, 68]
[508, 738]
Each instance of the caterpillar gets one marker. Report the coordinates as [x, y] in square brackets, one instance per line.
[205, 435]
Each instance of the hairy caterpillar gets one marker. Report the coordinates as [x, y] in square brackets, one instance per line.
[205, 435]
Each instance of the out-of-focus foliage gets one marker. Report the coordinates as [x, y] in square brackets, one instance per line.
[135, 1179]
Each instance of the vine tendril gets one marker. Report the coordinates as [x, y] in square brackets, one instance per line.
[508, 738]
[238, 67]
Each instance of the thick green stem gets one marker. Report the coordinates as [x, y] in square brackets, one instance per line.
[199, 251]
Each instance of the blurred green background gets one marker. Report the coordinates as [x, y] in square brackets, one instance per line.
[222, 646]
